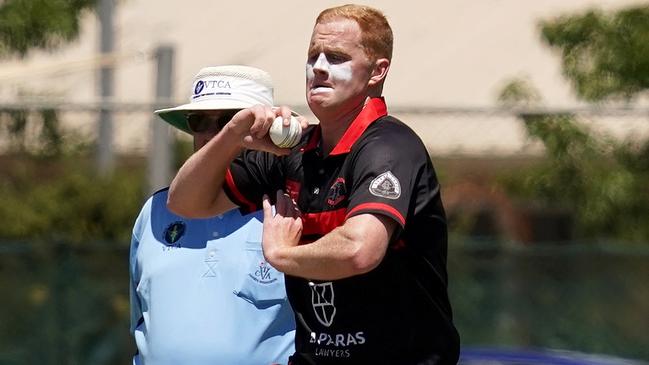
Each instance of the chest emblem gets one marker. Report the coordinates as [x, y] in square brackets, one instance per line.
[386, 186]
[293, 189]
[337, 192]
[263, 273]
[211, 260]
[174, 232]
[322, 300]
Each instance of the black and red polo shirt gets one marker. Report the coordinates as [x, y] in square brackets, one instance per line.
[398, 313]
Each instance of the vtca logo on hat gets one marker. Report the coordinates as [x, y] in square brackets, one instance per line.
[211, 87]
[199, 87]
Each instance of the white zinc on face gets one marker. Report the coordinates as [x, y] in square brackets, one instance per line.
[338, 71]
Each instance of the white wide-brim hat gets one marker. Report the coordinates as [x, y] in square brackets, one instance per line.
[222, 88]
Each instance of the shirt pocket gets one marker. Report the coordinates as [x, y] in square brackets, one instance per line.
[260, 284]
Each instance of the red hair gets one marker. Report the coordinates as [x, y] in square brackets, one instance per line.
[376, 34]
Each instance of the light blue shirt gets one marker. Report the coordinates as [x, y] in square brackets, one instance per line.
[202, 293]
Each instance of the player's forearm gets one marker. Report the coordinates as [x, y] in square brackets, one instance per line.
[197, 189]
[337, 255]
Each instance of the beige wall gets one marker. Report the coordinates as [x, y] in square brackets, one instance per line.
[447, 53]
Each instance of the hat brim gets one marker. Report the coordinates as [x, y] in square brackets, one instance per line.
[177, 116]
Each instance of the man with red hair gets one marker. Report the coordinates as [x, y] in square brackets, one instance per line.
[359, 228]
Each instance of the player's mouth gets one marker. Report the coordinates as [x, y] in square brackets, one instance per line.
[321, 88]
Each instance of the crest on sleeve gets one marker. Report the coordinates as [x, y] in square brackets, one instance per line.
[386, 186]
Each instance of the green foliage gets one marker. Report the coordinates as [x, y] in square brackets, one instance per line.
[518, 92]
[62, 200]
[49, 188]
[604, 55]
[18, 126]
[182, 148]
[603, 183]
[44, 24]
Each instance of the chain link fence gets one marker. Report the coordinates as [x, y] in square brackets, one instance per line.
[453, 131]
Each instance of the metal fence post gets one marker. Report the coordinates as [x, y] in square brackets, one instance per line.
[105, 153]
[160, 147]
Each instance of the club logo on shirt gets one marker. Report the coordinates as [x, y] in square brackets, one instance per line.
[322, 300]
[293, 189]
[263, 274]
[386, 186]
[211, 260]
[173, 232]
[337, 192]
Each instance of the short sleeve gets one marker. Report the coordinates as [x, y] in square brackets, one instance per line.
[251, 175]
[387, 173]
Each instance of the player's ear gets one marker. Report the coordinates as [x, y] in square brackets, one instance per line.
[379, 71]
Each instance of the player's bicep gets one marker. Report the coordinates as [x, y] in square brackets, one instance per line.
[371, 234]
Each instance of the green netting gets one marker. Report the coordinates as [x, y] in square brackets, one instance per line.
[65, 305]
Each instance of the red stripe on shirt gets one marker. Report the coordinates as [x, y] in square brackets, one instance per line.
[378, 206]
[323, 222]
[372, 111]
[229, 180]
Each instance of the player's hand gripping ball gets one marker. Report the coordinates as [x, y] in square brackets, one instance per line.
[285, 137]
